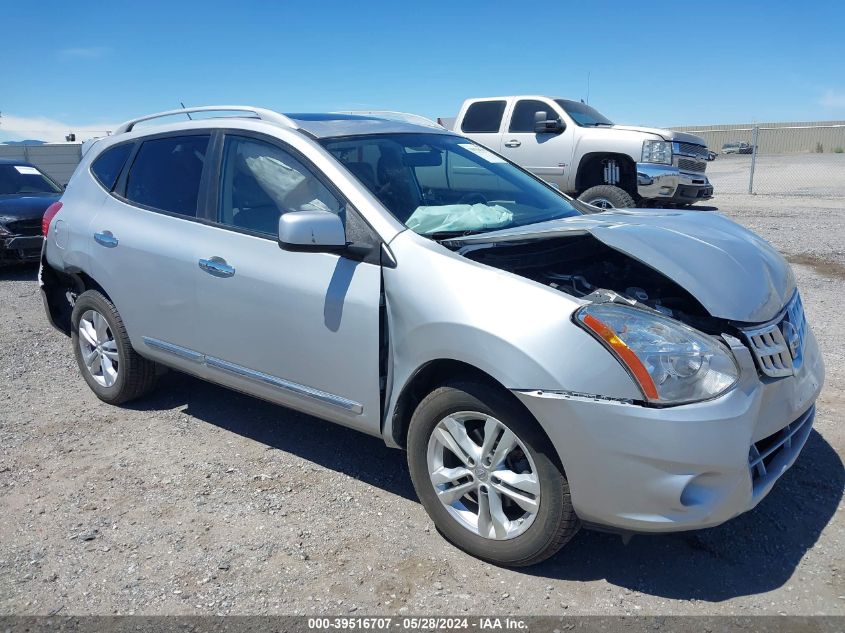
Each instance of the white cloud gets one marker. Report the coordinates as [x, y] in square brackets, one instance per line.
[83, 52]
[833, 99]
[17, 128]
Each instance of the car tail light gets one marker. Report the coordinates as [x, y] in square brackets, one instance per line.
[49, 214]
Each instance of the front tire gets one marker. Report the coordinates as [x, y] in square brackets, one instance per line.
[114, 371]
[608, 197]
[488, 477]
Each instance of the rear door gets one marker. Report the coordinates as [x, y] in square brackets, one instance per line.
[482, 122]
[546, 155]
[143, 245]
[298, 328]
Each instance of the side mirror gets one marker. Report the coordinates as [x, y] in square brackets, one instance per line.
[542, 125]
[311, 231]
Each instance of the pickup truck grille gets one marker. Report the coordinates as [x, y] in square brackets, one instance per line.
[25, 227]
[778, 346]
[691, 149]
[691, 165]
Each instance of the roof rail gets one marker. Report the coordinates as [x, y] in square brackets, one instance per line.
[258, 113]
[407, 117]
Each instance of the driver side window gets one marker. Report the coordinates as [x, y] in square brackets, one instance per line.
[522, 119]
[261, 181]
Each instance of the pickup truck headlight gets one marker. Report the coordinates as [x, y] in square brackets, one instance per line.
[4, 231]
[672, 363]
[657, 152]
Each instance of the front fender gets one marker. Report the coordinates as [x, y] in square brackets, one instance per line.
[441, 305]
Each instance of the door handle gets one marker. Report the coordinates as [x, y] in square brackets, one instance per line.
[513, 143]
[105, 238]
[217, 267]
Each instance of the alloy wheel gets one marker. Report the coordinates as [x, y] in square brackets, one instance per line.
[483, 475]
[601, 203]
[98, 348]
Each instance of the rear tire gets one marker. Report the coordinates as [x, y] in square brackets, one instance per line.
[485, 522]
[114, 371]
[608, 197]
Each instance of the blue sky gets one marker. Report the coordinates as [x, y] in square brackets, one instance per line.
[657, 63]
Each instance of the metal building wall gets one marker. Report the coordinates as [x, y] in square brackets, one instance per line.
[775, 138]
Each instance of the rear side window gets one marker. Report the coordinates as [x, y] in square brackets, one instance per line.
[166, 174]
[483, 116]
[522, 119]
[108, 165]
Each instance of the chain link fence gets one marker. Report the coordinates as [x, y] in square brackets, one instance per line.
[777, 159]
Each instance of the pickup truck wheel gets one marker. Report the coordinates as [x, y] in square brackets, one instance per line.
[488, 477]
[608, 197]
[114, 371]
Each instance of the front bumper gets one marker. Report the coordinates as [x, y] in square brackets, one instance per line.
[644, 469]
[21, 248]
[670, 184]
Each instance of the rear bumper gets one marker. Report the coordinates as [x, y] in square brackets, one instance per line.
[643, 469]
[670, 184]
[21, 248]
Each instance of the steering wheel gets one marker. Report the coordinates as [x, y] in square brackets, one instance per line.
[472, 198]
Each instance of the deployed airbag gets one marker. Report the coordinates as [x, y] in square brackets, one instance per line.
[458, 217]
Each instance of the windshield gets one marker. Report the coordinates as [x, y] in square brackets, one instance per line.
[439, 184]
[23, 179]
[582, 114]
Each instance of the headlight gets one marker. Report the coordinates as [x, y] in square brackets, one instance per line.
[671, 362]
[657, 152]
[4, 231]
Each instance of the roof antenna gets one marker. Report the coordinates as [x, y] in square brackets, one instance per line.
[187, 114]
[588, 88]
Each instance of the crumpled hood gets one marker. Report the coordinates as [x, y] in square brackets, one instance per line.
[735, 274]
[666, 135]
[25, 207]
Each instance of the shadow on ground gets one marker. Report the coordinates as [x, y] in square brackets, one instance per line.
[19, 272]
[754, 553]
[332, 446]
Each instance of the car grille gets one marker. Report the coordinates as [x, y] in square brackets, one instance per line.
[770, 456]
[778, 346]
[25, 227]
[691, 165]
[691, 149]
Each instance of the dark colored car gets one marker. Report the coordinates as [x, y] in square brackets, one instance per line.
[25, 193]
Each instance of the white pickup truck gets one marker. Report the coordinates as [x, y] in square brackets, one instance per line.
[578, 150]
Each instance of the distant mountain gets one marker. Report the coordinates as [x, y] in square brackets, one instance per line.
[26, 142]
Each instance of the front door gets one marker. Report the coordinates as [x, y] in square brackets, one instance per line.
[544, 155]
[301, 329]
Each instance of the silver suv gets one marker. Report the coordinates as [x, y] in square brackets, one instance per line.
[545, 367]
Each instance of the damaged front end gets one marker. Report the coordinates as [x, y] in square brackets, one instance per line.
[663, 293]
[657, 330]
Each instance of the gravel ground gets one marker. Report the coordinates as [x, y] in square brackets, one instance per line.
[199, 500]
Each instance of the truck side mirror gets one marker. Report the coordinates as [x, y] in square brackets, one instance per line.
[544, 125]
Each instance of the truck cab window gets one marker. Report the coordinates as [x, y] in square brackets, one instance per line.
[522, 119]
[483, 116]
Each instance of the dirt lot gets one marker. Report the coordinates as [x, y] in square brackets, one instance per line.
[202, 500]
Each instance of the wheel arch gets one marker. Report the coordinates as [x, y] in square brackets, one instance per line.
[589, 172]
[60, 289]
[437, 373]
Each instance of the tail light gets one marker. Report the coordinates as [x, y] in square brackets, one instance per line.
[49, 214]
